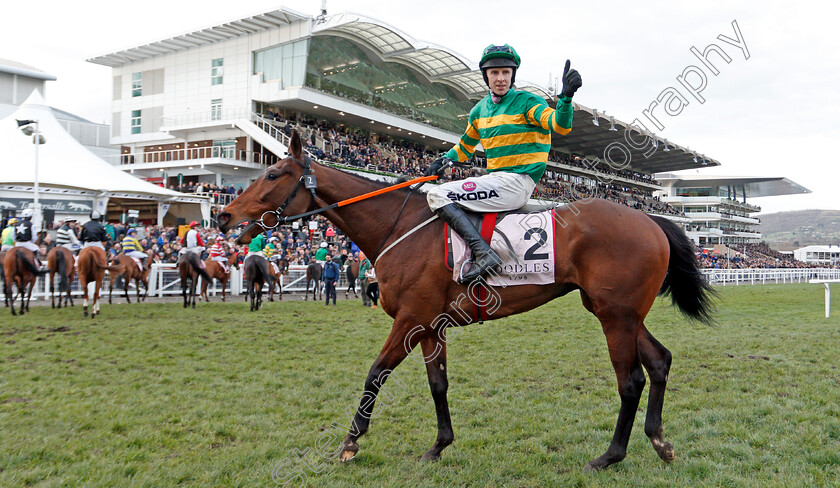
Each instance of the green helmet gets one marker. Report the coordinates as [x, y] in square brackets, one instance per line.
[503, 56]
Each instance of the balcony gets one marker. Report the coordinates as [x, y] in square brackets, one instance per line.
[193, 156]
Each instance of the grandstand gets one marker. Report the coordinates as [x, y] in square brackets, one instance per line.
[214, 106]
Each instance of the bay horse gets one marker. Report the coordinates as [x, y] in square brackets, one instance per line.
[214, 270]
[3, 277]
[129, 271]
[282, 270]
[61, 260]
[92, 264]
[189, 269]
[257, 274]
[19, 270]
[352, 272]
[618, 258]
[314, 271]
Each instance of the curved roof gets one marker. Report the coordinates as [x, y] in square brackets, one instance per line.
[436, 62]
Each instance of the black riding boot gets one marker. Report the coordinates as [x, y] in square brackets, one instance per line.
[483, 258]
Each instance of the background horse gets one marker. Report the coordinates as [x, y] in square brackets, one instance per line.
[619, 259]
[352, 272]
[6, 292]
[313, 273]
[92, 263]
[214, 270]
[282, 270]
[189, 269]
[128, 270]
[256, 275]
[60, 260]
[20, 271]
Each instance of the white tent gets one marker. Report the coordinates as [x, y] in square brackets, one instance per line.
[65, 166]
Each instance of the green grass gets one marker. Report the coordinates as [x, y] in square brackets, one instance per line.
[152, 395]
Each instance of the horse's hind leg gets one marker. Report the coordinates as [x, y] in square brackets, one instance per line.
[52, 292]
[657, 361]
[398, 345]
[434, 354]
[621, 327]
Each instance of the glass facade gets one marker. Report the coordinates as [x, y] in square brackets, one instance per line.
[340, 67]
[286, 63]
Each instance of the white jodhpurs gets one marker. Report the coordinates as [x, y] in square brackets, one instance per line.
[494, 192]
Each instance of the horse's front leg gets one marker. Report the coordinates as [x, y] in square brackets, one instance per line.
[398, 345]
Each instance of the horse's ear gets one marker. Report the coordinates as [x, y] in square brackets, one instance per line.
[295, 147]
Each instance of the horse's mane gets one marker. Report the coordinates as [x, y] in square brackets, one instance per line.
[379, 183]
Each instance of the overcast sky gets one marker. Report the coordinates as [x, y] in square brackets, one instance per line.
[774, 114]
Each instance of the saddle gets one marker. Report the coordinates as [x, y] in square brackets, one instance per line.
[523, 238]
[138, 263]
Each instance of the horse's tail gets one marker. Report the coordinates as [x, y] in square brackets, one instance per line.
[62, 271]
[27, 263]
[100, 262]
[195, 262]
[693, 295]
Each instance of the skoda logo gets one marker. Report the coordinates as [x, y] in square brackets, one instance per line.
[468, 186]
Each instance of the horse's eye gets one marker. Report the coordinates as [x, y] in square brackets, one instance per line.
[271, 176]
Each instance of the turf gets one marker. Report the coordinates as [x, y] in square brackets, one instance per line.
[153, 395]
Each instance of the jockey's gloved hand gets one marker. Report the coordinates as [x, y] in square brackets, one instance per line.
[571, 81]
[439, 166]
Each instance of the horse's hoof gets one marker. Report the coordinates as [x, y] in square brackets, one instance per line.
[665, 450]
[429, 457]
[348, 451]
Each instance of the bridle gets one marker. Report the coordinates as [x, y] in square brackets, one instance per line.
[310, 183]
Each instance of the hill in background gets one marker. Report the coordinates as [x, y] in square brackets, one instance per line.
[786, 231]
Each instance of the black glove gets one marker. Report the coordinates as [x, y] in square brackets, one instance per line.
[571, 81]
[439, 166]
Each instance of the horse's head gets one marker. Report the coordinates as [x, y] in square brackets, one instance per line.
[267, 193]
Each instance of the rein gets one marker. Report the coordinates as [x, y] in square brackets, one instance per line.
[308, 180]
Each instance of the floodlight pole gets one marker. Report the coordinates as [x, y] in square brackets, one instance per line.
[37, 137]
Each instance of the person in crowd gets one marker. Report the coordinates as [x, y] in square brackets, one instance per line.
[372, 287]
[331, 274]
[364, 266]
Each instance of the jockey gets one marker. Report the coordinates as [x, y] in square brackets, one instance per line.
[132, 248]
[93, 234]
[321, 254]
[66, 236]
[255, 248]
[272, 254]
[25, 235]
[217, 253]
[7, 239]
[192, 241]
[514, 128]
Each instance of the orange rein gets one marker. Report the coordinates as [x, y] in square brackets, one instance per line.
[374, 193]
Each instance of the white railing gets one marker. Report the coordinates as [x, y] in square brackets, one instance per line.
[762, 276]
[164, 280]
[190, 154]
